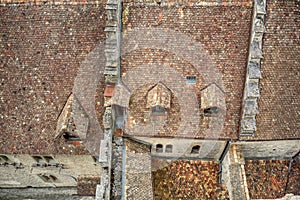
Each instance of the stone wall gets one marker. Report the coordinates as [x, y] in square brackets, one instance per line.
[39, 193]
[284, 149]
[117, 168]
[182, 148]
[233, 173]
[111, 147]
[253, 74]
[22, 170]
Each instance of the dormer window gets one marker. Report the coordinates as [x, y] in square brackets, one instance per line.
[49, 159]
[66, 127]
[159, 95]
[158, 101]
[70, 137]
[212, 100]
[3, 158]
[38, 159]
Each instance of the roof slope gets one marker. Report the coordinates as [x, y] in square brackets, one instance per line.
[279, 103]
[222, 30]
[41, 50]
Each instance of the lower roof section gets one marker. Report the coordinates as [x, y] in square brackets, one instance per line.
[270, 179]
[187, 179]
[138, 178]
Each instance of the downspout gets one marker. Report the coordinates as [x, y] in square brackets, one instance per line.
[289, 171]
[119, 46]
[123, 169]
[221, 160]
[288, 176]
[119, 39]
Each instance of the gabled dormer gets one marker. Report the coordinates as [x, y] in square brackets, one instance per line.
[212, 100]
[158, 101]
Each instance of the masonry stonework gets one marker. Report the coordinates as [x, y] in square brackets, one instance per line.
[284, 149]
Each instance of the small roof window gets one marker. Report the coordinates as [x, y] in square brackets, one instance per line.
[191, 80]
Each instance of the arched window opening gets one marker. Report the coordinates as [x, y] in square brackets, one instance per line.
[4, 158]
[169, 148]
[38, 159]
[159, 148]
[195, 149]
[49, 159]
[48, 178]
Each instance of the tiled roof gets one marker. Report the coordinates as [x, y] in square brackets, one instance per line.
[187, 180]
[223, 31]
[86, 184]
[42, 2]
[267, 178]
[138, 171]
[41, 50]
[279, 103]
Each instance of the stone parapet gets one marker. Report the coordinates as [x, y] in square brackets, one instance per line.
[252, 88]
[117, 169]
[113, 41]
[271, 150]
[108, 187]
[103, 190]
[233, 173]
